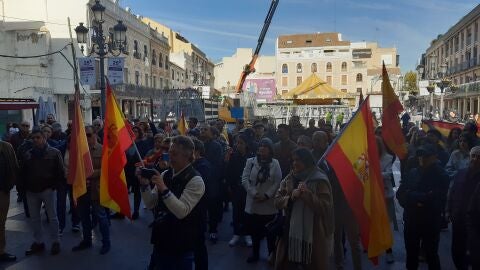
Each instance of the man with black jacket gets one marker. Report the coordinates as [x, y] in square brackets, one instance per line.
[42, 172]
[8, 175]
[175, 198]
[422, 194]
[215, 154]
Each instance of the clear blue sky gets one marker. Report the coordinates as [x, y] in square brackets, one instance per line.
[218, 27]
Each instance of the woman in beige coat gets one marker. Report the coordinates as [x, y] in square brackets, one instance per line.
[306, 198]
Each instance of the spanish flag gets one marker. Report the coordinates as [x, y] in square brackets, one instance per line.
[182, 125]
[355, 160]
[443, 127]
[79, 161]
[116, 140]
[391, 130]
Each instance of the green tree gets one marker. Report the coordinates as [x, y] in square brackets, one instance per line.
[410, 83]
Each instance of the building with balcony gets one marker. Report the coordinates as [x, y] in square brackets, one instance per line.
[198, 67]
[458, 51]
[351, 67]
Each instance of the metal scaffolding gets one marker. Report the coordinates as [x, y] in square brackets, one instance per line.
[283, 112]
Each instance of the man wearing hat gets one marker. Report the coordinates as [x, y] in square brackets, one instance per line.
[422, 194]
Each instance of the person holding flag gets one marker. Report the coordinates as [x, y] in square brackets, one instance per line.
[89, 203]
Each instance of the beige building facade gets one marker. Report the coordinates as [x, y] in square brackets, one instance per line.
[459, 50]
[177, 76]
[228, 71]
[196, 64]
[351, 67]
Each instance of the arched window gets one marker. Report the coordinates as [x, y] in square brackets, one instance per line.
[299, 68]
[329, 67]
[344, 66]
[284, 68]
[314, 67]
[359, 77]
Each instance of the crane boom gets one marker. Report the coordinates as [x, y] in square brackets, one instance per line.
[249, 68]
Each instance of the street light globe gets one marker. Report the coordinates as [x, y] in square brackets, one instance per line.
[443, 69]
[82, 33]
[98, 11]
[119, 31]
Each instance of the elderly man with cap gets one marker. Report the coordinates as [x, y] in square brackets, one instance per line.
[461, 193]
[422, 194]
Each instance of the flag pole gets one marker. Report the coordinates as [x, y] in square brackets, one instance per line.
[343, 130]
[123, 116]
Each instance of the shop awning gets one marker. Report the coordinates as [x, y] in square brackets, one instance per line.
[17, 104]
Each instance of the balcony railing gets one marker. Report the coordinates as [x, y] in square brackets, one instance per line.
[469, 87]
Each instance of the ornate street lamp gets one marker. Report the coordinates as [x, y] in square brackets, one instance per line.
[98, 11]
[444, 83]
[115, 47]
[431, 90]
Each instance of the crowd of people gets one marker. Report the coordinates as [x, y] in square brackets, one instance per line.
[274, 178]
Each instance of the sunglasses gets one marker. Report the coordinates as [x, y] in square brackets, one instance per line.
[25, 125]
[89, 135]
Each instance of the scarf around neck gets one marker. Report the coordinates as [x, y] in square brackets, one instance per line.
[264, 172]
[300, 236]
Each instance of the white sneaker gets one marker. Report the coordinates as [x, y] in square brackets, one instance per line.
[390, 258]
[248, 240]
[234, 241]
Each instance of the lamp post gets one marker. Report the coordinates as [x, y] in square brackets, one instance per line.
[431, 89]
[420, 70]
[102, 45]
[444, 82]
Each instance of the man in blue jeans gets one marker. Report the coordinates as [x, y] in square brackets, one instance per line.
[42, 171]
[89, 203]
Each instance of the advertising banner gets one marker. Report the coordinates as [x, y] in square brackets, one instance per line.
[264, 89]
[87, 70]
[115, 70]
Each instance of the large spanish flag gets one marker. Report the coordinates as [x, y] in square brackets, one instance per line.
[355, 159]
[443, 127]
[116, 140]
[391, 130]
[182, 125]
[79, 160]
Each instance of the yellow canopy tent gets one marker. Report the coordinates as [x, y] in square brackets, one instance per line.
[314, 90]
